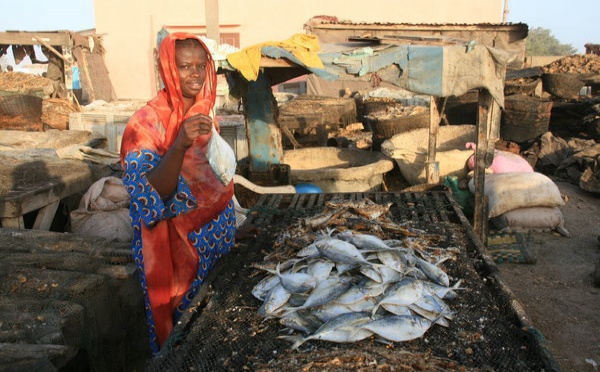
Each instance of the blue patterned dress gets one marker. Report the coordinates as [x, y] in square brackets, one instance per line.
[211, 241]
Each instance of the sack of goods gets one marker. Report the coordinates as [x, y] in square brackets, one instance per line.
[104, 211]
[523, 201]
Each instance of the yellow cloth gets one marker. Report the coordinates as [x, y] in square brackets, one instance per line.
[302, 46]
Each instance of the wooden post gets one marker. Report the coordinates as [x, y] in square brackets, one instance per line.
[488, 129]
[432, 166]
[264, 136]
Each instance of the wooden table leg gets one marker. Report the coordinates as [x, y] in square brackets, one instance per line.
[45, 215]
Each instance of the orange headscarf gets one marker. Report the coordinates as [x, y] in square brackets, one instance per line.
[170, 260]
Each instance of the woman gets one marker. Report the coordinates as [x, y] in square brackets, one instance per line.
[183, 217]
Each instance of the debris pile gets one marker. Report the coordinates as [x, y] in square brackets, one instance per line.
[575, 64]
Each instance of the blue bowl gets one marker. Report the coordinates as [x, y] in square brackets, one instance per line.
[307, 188]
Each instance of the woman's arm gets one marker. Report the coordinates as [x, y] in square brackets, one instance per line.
[165, 176]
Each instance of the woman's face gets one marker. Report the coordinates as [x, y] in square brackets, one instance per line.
[191, 64]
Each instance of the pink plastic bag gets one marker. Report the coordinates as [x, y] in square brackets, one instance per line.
[504, 161]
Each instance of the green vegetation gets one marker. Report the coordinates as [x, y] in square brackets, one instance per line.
[541, 42]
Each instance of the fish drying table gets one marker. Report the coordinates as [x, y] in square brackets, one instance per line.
[223, 331]
[40, 184]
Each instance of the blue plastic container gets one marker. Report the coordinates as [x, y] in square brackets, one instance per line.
[307, 188]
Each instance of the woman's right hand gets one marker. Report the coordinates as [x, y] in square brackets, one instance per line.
[192, 128]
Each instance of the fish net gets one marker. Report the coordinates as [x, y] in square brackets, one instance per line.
[223, 330]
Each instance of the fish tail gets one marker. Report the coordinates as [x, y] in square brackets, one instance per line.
[296, 339]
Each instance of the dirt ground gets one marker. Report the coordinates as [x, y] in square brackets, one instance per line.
[557, 292]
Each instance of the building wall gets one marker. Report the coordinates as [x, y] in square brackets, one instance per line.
[129, 28]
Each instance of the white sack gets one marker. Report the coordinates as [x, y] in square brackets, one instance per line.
[508, 191]
[533, 218]
[104, 211]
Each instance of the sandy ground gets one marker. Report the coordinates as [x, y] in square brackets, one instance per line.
[557, 292]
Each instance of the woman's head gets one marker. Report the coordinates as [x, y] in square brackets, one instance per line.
[191, 60]
[187, 70]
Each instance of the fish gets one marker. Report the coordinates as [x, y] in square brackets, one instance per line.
[397, 309]
[393, 260]
[277, 297]
[364, 242]
[399, 328]
[340, 251]
[295, 282]
[327, 290]
[346, 327]
[381, 273]
[433, 272]
[262, 289]
[303, 321]
[404, 293]
[320, 269]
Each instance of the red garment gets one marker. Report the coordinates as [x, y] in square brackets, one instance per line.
[170, 260]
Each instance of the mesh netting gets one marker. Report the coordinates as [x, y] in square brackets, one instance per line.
[64, 289]
[225, 332]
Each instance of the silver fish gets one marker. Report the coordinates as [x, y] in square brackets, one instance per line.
[433, 272]
[327, 290]
[340, 251]
[397, 309]
[404, 293]
[303, 321]
[277, 297]
[399, 328]
[381, 273]
[320, 269]
[343, 328]
[330, 310]
[365, 242]
[295, 282]
[262, 289]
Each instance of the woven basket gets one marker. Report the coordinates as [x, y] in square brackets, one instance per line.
[386, 128]
[566, 86]
[20, 105]
[519, 87]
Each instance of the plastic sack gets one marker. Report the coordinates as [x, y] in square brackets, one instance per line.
[104, 211]
[221, 158]
[508, 191]
[504, 161]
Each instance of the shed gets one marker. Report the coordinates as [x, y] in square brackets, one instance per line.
[448, 68]
[63, 49]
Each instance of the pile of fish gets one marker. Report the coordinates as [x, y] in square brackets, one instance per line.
[348, 286]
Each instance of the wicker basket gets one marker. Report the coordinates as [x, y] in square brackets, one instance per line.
[566, 86]
[524, 118]
[520, 87]
[386, 128]
[20, 105]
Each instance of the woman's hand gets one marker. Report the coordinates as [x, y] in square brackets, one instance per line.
[192, 128]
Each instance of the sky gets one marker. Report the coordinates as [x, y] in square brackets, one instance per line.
[572, 22]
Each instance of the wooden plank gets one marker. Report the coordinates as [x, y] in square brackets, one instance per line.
[27, 38]
[432, 166]
[45, 215]
[483, 158]
[17, 204]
